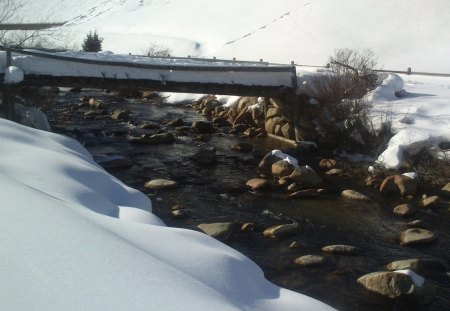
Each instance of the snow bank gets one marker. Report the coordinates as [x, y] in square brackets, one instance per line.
[32, 117]
[75, 238]
[13, 75]
[420, 118]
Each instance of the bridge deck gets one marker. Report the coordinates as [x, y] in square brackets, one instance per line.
[106, 70]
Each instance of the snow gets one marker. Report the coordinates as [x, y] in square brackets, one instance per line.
[417, 279]
[173, 69]
[32, 117]
[285, 157]
[420, 118]
[401, 33]
[13, 75]
[75, 238]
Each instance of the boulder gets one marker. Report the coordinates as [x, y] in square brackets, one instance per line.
[310, 260]
[397, 285]
[418, 265]
[149, 125]
[259, 184]
[220, 231]
[281, 231]
[265, 166]
[121, 114]
[282, 168]
[157, 184]
[432, 201]
[288, 131]
[273, 112]
[418, 223]
[176, 122]
[202, 127]
[242, 147]
[327, 164]
[354, 195]
[95, 103]
[206, 155]
[246, 102]
[242, 118]
[334, 172]
[404, 185]
[340, 249]
[406, 209]
[417, 236]
[307, 193]
[305, 175]
[446, 191]
[272, 123]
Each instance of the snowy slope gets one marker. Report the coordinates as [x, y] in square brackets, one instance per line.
[402, 33]
[75, 238]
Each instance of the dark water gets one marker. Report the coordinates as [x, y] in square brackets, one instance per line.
[217, 193]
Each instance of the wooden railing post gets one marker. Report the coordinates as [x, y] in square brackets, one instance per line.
[8, 105]
[8, 57]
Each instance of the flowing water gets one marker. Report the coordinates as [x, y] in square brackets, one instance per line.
[217, 193]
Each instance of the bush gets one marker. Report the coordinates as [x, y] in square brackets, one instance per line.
[155, 50]
[340, 93]
[92, 42]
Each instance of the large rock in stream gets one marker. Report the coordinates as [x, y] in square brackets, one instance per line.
[417, 236]
[402, 285]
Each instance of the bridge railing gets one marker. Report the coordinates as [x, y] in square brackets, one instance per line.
[185, 75]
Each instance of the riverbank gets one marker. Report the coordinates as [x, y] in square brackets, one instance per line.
[216, 193]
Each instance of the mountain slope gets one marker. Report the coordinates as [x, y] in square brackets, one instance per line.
[403, 33]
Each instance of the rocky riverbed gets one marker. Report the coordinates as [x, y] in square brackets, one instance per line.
[320, 227]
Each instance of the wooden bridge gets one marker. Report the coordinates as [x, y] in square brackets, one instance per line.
[168, 74]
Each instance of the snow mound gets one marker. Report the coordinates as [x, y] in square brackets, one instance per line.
[13, 75]
[75, 238]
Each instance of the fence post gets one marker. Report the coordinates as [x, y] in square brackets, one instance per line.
[8, 105]
[8, 57]
[408, 72]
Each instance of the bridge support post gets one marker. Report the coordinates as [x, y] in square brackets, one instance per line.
[8, 105]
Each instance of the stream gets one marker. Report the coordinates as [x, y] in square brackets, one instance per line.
[217, 193]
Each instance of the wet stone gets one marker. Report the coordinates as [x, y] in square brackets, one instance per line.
[310, 260]
[180, 214]
[282, 168]
[354, 195]
[121, 114]
[157, 184]
[418, 265]
[395, 286]
[432, 201]
[399, 184]
[242, 147]
[417, 236]
[281, 231]
[327, 163]
[340, 249]
[418, 223]
[307, 193]
[220, 231]
[335, 172]
[296, 245]
[446, 191]
[259, 184]
[406, 209]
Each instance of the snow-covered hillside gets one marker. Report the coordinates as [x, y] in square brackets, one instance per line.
[402, 33]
